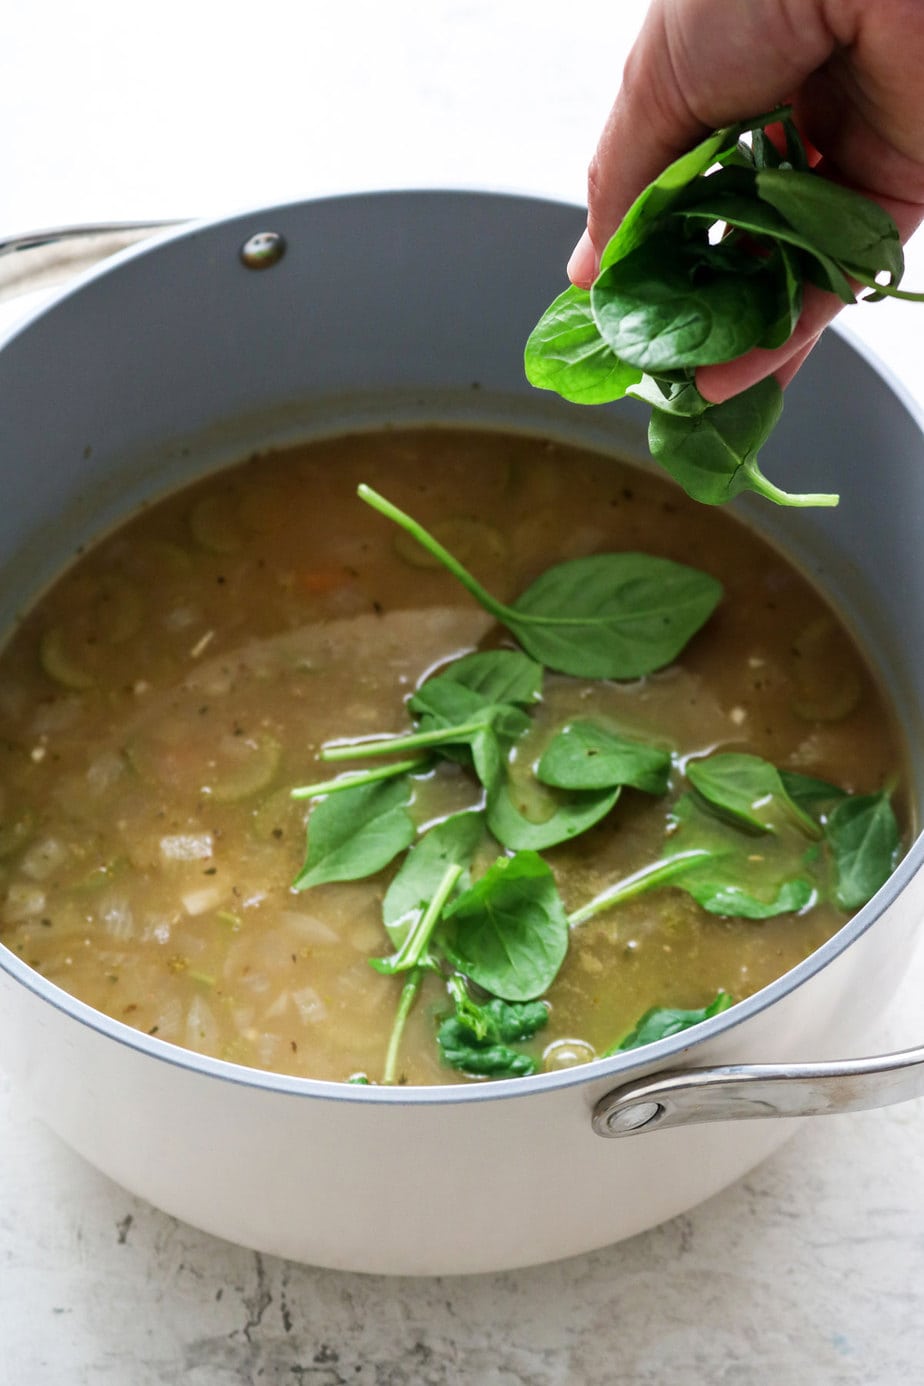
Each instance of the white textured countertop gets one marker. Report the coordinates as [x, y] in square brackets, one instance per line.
[809, 1271]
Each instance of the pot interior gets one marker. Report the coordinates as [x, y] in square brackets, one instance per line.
[409, 308]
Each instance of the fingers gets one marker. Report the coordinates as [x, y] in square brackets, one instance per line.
[691, 70]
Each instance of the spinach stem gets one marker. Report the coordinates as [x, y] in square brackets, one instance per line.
[406, 1001]
[434, 547]
[799, 500]
[408, 957]
[417, 939]
[380, 772]
[360, 750]
[657, 873]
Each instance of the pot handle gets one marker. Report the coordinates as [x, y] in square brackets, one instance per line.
[41, 259]
[738, 1092]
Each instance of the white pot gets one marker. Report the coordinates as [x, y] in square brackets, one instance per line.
[175, 357]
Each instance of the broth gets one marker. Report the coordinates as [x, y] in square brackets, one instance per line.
[162, 699]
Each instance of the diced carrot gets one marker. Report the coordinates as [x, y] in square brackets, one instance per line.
[318, 581]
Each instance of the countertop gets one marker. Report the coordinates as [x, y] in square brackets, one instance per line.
[810, 1270]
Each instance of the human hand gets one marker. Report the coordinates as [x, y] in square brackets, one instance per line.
[851, 70]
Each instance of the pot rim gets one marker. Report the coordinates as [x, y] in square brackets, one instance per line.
[618, 1067]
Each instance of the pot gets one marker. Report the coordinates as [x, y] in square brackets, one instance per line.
[186, 352]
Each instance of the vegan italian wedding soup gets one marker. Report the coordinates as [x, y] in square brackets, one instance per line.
[434, 756]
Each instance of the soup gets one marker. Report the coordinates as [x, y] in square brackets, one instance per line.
[162, 701]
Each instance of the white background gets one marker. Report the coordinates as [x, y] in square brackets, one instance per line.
[812, 1270]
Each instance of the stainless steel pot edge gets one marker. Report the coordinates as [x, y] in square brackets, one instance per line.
[675, 1097]
[44, 259]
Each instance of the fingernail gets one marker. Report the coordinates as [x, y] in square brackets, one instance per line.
[582, 266]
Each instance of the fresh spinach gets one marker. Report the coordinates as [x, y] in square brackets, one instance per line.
[713, 453]
[663, 1021]
[509, 932]
[709, 261]
[356, 833]
[616, 616]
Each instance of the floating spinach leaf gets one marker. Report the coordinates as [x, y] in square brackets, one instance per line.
[814, 796]
[663, 1021]
[413, 950]
[451, 842]
[735, 902]
[617, 615]
[508, 932]
[356, 833]
[571, 815]
[565, 353]
[585, 755]
[864, 840]
[497, 676]
[749, 790]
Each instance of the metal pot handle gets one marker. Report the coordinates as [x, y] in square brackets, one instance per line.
[738, 1092]
[41, 259]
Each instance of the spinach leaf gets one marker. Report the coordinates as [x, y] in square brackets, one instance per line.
[460, 1049]
[713, 455]
[451, 842]
[853, 230]
[570, 816]
[658, 313]
[671, 395]
[748, 214]
[734, 902]
[663, 1021]
[584, 755]
[863, 837]
[356, 833]
[497, 676]
[812, 795]
[565, 353]
[508, 932]
[413, 951]
[477, 1038]
[616, 615]
[669, 296]
[654, 201]
[748, 790]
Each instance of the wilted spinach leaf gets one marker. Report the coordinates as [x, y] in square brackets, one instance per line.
[663, 1021]
[478, 1037]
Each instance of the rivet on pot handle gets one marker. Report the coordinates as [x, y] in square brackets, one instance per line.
[738, 1092]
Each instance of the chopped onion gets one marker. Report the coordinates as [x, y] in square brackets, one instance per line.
[186, 847]
[201, 901]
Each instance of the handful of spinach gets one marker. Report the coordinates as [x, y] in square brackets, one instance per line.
[709, 262]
